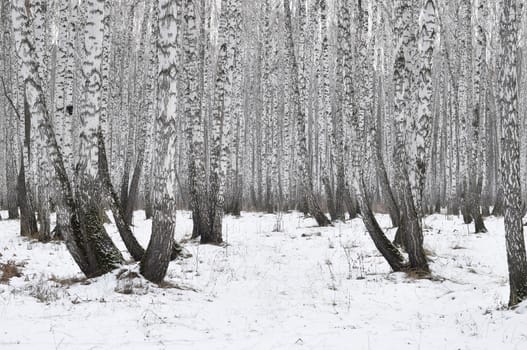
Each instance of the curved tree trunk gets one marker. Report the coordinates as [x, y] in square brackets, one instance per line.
[134, 190]
[382, 243]
[86, 239]
[131, 243]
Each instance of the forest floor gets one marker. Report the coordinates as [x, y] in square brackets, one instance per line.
[303, 288]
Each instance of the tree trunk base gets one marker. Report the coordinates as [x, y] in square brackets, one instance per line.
[398, 239]
[479, 225]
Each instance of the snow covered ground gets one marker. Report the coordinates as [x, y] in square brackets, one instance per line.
[303, 288]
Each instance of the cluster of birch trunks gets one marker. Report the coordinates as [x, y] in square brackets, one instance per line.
[337, 108]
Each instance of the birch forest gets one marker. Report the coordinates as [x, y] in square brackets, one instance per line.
[172, 151]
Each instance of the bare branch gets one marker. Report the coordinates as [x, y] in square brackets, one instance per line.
[10, 100]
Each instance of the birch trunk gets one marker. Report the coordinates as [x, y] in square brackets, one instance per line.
[510, 157]
[298, 84]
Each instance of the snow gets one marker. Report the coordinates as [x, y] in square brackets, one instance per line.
[303, 288]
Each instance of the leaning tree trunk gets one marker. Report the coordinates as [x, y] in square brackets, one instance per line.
[133, 191]
[131, 243]
[389, 251]
[384, 184]
[90, 246]
[123, 214]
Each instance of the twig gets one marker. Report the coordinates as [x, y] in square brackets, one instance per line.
[10, 100]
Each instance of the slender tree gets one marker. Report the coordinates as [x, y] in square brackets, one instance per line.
[510, 156]
[298, 82]
[155, 261]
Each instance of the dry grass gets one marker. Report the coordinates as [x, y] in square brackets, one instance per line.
[171, 285]
[66, 282]
[130, 282]
[126, 274]
[9, 270]
[429, 252]
[417, 274]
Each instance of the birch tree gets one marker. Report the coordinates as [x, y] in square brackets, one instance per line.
[298, 83]
[8, 93]
[510, 157]
[85, 237]
[476, 169]
[198, 189]
[157, 257]
[28, 223]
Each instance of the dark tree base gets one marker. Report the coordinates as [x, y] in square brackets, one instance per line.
[479, 225]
